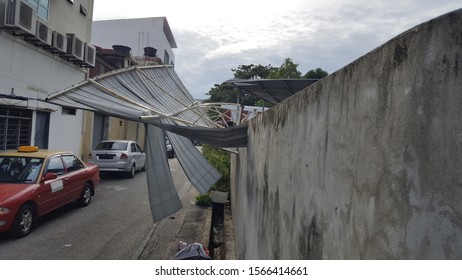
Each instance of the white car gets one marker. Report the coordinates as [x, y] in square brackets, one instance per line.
[118, 156]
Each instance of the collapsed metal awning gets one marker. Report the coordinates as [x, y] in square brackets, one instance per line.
[156, 96]
[273, 91]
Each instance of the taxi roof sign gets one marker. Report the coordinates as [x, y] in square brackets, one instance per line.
[28, 149]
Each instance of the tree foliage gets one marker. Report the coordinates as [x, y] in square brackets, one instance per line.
[221, 160]
[252, 71]
[288, 70]
[223, 92]
[228, 93]
[317, 73]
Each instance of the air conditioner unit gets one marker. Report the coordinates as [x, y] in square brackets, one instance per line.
[75, 48]
[20, 17]
[43, 34]
[58, 42]
[90, 55]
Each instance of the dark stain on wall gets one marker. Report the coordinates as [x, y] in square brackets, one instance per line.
[277, 117]
[310, 241]
[456, 65]
[265, 188]
[270, 206]
[399, 55]
[275, 224]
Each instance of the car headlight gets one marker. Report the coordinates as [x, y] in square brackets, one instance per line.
[4, 210]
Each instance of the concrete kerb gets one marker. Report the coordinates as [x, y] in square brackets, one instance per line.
[229, 235]
[207, 226]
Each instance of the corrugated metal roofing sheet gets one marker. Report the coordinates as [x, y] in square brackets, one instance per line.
[273, 91]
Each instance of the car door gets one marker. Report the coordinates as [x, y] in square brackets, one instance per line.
[51, 193]
[142, 156]
[136, 155]
[74, 177]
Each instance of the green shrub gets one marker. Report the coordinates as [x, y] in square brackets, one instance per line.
[203, 200]
[221, 160]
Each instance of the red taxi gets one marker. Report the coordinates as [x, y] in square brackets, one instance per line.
[34, 182]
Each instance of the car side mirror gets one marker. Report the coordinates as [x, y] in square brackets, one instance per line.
[49, 176]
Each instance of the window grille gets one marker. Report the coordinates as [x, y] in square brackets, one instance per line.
[15, 127]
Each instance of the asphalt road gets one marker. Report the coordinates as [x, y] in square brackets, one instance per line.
[117, 225]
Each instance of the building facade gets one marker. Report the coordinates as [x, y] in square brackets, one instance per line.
[144, 36]
[44, 47]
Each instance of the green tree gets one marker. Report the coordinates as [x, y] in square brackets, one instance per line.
[252, 71]
[224, 92]
[317, 73]
[288, 70]
[228, 93]
[263, 103]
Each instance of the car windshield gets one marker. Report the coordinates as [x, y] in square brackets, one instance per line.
[17, 169]
[113, 146]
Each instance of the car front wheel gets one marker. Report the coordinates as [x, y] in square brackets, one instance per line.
[24, 221]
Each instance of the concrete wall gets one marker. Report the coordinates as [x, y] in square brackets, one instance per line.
[66, 17]
[125, 129]
[364, 164]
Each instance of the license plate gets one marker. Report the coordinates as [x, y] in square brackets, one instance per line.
[105, 156]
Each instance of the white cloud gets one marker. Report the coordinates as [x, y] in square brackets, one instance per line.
[214, 36]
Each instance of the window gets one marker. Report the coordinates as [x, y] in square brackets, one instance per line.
[19, 169]
[114, 146]
[72, 163]
[15, 127]
[41, 7]
[139, 148]
[55, 165]
[69, 111]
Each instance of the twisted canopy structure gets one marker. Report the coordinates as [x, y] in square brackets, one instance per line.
[156, 96]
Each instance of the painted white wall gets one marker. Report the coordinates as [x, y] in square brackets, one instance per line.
[31, 71]
[34, 72]
[66, 18]
[66, 131]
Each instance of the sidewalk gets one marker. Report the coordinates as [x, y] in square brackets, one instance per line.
[191, 224]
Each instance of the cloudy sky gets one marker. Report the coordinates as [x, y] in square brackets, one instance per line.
[215, 36]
